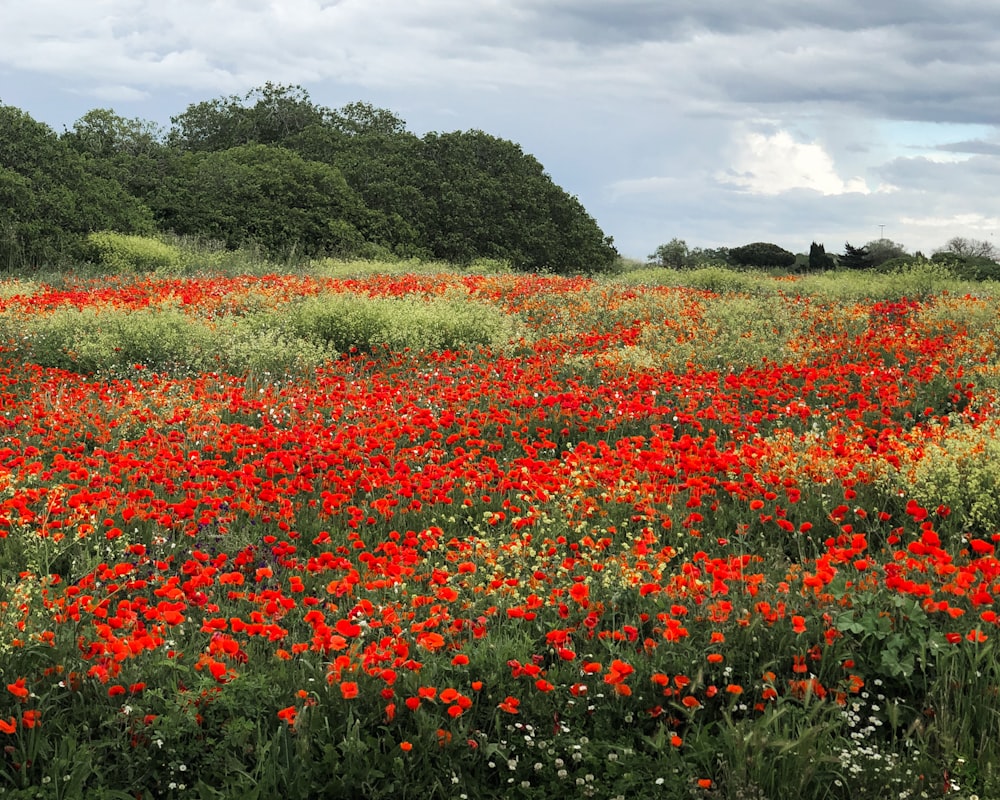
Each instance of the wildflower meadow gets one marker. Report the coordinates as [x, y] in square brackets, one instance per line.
[451, 535]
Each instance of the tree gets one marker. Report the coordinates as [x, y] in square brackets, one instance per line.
[969, 267]
[709, 257]
[364, 119]
[819, 259]
[977, 248]
[489, 199]
[51, 197]
[882, 250]
[854, 257]
[269, 114]
[672, 255]
[132, 152]
[761, 255]
[265, 195]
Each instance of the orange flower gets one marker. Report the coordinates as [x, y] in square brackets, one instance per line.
[406, 747]
[31, 718]
[8, 726]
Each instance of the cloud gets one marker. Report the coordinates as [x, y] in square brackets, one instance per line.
[638, 107]
[973, 146]
[776, 163]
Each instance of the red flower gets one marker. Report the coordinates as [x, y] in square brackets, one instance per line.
[349, 690]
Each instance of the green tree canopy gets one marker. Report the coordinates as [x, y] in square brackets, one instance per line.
[273, 167]
[854, 257]
[51, 196]
[762, 254]
[261, 194]
[489, 199]
[819, 259]
[673, 255]
[269, 114]
[882, 250]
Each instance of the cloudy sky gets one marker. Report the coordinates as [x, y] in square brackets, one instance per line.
[720, 122]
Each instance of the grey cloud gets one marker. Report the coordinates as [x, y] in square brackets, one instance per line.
[974, 146]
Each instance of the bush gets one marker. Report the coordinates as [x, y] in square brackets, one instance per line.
[349, 323]
[90, 340]
[960, 471]
[119, 252]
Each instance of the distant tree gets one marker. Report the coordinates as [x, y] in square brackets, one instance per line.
[487, 198]
[51, 197]
[819, 259]
[269, 114]
[883, 250]
[969, 267]
[672, 255]
[854, 257]
[978, 248]
[132, 152]
[761, 255]
[262, 194]
[364, 119]
[709, 257]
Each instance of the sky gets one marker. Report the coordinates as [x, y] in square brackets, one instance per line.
[719, 122]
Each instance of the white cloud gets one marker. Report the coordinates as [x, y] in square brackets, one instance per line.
[627, 104]
[776, 163]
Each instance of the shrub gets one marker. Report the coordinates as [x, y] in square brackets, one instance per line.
[960, 471]
[349, 323]
[119, 252]
[90, 340]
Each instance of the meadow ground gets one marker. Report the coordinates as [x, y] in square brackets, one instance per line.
[411, 535]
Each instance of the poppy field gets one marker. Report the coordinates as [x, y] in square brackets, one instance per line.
[453, 535]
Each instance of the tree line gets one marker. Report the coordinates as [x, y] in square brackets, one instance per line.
[968, 258]
[273, 170]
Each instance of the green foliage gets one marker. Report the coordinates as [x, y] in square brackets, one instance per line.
[266, 344]
[854, 257]
[968, 266]
[673, 255]
[50, 197]
[89, 340]
[880, 251]
[270, 114]
[722, 280]
[123, 253]
[349, 324]
[819, 260]
[961, 471]
[491, 199]
[272, 170]
[258, 194]
[761, 255]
